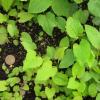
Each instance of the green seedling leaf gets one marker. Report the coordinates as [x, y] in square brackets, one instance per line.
[82, 52]
[16, 42]
[62, 97]
[24, 17]
[37, 90]
[61, 23]
[63, 7]
[48, 22]
[3, 85]
[12, 81]
[36, 6]
[77, 70]
[13, 12]
[81, 15]
[50, 52]
[26, 87]
[98, 96]
[3, 35]
[92, 89]
[16, 88]
[96, 21]
[73, 84]
[14, 72]
[94, 7]
[64, 42]
[25, 37]
[12, 29]
[74, 28]
[27, 42]
[93, 35]
[78, 98]
[3, 18]
[78, 1]
[59, 54]
[45, 72]
[68, 59]
[85, 77]
[50, 92]
[95, 76]
[60, 79]
[32, 61]
[6, 4]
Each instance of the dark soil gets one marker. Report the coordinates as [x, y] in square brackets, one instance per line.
[89, 98]
[17, 51]
[30, 95]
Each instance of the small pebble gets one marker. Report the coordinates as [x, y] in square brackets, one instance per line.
[10, 60]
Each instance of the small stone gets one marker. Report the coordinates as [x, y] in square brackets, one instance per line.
[10, 60]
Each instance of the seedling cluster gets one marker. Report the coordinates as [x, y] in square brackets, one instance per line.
[50, 49]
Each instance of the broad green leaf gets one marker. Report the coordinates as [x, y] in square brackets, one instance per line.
[82, 52]
[3, 85]
[50, 51]
[32, 61]
[61, 23]
[62, 97]
[25, 37]
[77, 70]
[14, 72]
[86, 76]
[59, 54]
[95, 76]
[26, 87]
[24, 17]
[93, 35]
[3, 18]
[46, 71]
[60, 79]
[36, 6]
[94, 7]
[13, 12]
[74, 28]
[81, 87]
[63, 7]
[37, 89]
[6, 4]
[12, 29]
[50, 92]
[78, 98]
[78, 1]
[16, 88]
[64, 42]
[92, 90]
[13, 80]
[98, 96]
[48, 22]
[81, 15]
[96, 21]
[68, 59]
[72, 84]
[3, 35]
[27, 42]
[28, 45]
